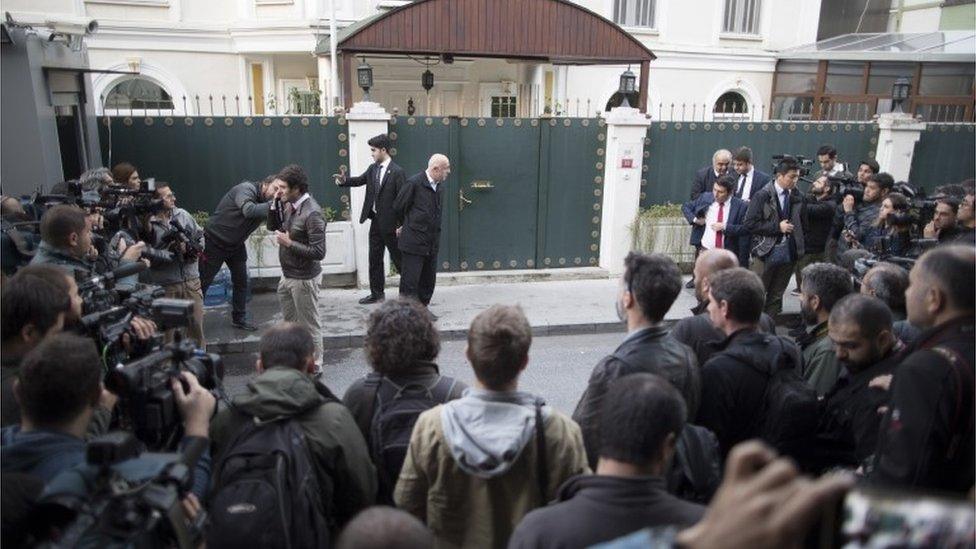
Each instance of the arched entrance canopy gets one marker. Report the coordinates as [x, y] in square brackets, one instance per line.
[554, 31]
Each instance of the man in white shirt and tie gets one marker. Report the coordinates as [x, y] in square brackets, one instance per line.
[383, 180]
[748, 179]
[717, 218]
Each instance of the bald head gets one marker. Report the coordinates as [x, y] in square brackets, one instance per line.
[438, 167]
[385, 527]
[708, 263]
[940, 286]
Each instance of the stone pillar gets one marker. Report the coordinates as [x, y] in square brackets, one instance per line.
[366, 120]
[325, 84]
[897, 135]
[626, 129]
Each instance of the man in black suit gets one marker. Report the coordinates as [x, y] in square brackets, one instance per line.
[774, 219]
[716, 218]
[419, 205]
[383, 180]
[748, 179]
[707, 176]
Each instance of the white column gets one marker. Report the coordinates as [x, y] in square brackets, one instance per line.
[325, 84]
[626, 129]
[897, 135]
[366, 119]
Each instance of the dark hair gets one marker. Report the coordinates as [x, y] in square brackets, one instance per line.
[59, 222]
[122, 171]
[888, 282]
[286, 345]
[870, 314]
[743, 290]
[872, 164]
[498, 343]
[727, 182]
[828, 282]
[883, 179]
[953, 269]
[58, 379]
[950, 201]
[382, 527]
[743, 154]
[828, 150]
[36, 295]
[951, 190]
[848, 258]
[294, 176]
[399, 333]
[381, 141]
[787, 164]
[969, 186]
[655, 282]
[639, 412]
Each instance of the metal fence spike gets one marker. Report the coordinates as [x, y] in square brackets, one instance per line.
[197, 98]
[237, 101]
[682, 111]
[250, 106]
[211, 106]
[223, 99]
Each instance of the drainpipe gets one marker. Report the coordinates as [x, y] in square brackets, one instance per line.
[334, 69]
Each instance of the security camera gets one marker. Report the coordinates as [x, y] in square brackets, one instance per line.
[73, 26]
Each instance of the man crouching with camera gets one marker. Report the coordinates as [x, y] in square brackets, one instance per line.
[174, 229]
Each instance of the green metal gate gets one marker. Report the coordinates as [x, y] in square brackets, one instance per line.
[944, 154]
[523, 192]
[202, 157]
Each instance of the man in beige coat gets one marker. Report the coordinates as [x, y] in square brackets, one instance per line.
[473, 468]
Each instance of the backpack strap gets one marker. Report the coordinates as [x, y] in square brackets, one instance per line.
[542, 458]
[964, 371]
[440, 390]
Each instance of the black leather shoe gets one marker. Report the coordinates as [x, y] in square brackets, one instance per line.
[370, 299]
[244, 325]
[690, 284]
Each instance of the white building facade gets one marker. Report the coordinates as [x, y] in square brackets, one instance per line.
[715, 58]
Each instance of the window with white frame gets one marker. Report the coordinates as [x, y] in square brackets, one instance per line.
[634, 13]
[741, 16]
[730, 105]
[137, 93]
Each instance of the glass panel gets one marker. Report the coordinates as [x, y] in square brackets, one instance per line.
[138, 93]
[942, 113]
[844, 111]
[634, 13]
[503, 107]
[741, 16]
[845, 77]
[946, 79]
[883, 75]
[792, 108]
[730, 102]
[796, 76]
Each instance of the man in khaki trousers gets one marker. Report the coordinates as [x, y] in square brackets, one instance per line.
[299, 227]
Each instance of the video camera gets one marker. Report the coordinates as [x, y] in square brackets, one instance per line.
[843, 186]
[178, 234]
[147, 400]
[804, 163]
[121, 497]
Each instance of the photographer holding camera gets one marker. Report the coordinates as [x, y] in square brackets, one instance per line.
[819, 210]
[858, 218]
[890, 234]
[943, 225]
[175, 230]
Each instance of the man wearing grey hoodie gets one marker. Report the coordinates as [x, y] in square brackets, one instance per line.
[473, 468]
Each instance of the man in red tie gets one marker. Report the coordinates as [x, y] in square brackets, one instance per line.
[717, 217]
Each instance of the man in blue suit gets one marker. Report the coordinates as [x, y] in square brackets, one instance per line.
[717, 218]
[748, 179]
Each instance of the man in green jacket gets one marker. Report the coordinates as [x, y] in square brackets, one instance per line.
[283, 389]
[826, 285]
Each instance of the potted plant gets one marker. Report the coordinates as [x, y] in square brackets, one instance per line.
[662, 229]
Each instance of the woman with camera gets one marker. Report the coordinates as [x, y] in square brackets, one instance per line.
[890, 234]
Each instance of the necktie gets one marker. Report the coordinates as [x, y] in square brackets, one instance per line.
[742, 185]
[785, 204]
[721, 217]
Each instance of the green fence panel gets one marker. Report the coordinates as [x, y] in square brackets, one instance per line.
[573, 152]
[944, 154]
[203, 157]
[676, 150]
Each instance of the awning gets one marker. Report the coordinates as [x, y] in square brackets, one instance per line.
[942, 46]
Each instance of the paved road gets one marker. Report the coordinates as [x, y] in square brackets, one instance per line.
[559, 366]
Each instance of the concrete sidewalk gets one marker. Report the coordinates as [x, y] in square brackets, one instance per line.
[553, 307]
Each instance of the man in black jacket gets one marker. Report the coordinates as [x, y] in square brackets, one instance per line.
[866, 348]
[819, 212]
[649, 287]
[697, 331]
[640, 424]
[707, 176]
[419, 206]
[748, 179]
[383, 180]
[774, 219]
[927, 436]
[300, 231]
[238, 214]
[734, 380]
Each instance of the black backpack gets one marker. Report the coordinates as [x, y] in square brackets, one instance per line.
[266, 493]
[696, 470]
[789, 414]
[395, 411]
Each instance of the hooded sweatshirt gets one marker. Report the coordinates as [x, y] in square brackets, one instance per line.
[42, 454]
[472, 469]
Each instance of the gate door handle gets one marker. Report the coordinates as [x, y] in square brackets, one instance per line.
[482, 185]
[461, 200]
